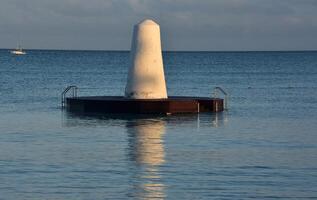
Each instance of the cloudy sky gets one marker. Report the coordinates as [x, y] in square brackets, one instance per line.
[185, 24]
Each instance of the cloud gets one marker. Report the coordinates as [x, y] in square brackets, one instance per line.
[185, 24]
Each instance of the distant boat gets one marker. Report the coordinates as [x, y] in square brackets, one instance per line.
[18, 51]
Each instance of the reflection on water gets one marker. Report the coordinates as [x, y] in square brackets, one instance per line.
[206, 119]
[146, 150]
[219, 119]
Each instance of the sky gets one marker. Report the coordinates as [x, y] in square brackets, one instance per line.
[187, 25]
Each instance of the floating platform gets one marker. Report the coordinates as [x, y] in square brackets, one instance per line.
[119, 105]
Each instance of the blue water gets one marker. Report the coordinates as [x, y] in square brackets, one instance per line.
[264, 147]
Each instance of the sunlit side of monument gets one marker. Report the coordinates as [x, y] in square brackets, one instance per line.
[146, 73]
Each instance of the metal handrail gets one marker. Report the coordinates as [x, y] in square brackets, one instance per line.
[226, 98]
[71, 88]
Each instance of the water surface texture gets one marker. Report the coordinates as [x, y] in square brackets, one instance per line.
[264, 147]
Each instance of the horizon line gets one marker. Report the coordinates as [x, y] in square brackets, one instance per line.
[126, 50]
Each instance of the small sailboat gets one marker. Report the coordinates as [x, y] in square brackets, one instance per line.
[18, 51]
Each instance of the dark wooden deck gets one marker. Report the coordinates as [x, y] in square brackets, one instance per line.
[119, 104]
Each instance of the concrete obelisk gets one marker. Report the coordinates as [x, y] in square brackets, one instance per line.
[146, 73]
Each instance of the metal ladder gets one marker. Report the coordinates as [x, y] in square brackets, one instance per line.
[73, 89]
[226, 96]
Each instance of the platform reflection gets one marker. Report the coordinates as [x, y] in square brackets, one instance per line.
[146, 151]
[214, 120]
[143, 146]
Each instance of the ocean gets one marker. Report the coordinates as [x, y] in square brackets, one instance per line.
[263, 147]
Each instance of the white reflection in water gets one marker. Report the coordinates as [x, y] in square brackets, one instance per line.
[146, 144]
[219, 119]
[147, 151]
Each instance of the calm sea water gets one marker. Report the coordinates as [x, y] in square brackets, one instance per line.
[264, 147]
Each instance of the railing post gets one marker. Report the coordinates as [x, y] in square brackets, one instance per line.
[225, 101]
[64, 93]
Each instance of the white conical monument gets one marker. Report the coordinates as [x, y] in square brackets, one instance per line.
[146, 73]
